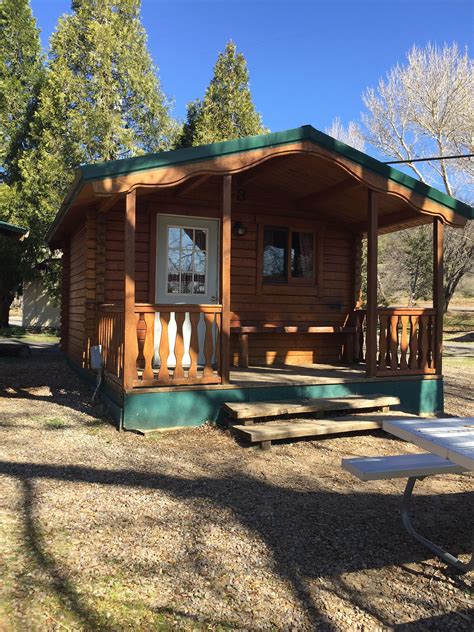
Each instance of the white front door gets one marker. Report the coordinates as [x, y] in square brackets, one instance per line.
[187, 260]
[187, 272]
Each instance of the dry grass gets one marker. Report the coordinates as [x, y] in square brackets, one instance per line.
[459, 322]
[189, 531]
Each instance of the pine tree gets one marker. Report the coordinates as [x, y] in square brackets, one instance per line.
[227, 110]
[21, 76]
[101, 100]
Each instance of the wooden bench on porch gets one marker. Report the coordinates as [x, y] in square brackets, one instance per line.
[244, 331]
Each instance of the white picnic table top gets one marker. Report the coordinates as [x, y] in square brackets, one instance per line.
[451, 438]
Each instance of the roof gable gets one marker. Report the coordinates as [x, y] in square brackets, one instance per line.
[117, 168]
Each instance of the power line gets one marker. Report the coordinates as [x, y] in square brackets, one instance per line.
[397, 162]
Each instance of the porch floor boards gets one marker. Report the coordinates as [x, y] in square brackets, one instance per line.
[287, 375]
[294, 375]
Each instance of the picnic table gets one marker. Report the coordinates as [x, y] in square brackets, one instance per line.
[449, 445]
[452, 438]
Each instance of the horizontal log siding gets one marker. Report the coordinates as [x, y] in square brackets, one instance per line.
[326, 305]
[114, 255]
[65, 280]
[76, 335]
[90, 325]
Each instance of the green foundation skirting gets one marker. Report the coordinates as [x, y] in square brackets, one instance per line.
[192, 407]
[169, 409]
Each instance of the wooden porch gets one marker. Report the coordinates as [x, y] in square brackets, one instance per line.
[405, 345]
[381, 342]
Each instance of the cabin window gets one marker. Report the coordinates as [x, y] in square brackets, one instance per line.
[275, 255]
[288, 255]
[187, 260]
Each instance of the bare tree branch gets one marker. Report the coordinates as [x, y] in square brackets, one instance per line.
[423, 108]
[352, 135]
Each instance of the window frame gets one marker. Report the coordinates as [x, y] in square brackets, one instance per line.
[156, 246]
[292, 284]
[206, 271]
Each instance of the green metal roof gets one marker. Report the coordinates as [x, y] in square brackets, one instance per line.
[12, 228]
[164, 159]
[161, 160]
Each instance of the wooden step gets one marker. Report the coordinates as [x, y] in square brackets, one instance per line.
[298, 428]
[261, 410]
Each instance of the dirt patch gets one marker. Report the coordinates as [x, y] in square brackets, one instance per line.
[189, 531]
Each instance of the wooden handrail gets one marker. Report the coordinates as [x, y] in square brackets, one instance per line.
[406, 311]
[143, 308]
[402, 311]
[110, 307]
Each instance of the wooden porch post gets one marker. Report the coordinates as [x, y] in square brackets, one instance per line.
[226, 236]
[372, 244]
[130, 346]
[438, 302]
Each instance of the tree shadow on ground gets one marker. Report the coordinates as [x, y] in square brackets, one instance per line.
[19, 379]
[62, 585]
[464, 337]
[288, 521]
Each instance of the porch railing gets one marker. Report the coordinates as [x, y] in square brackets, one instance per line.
[405, 340]
[110, 337]
[178, 344]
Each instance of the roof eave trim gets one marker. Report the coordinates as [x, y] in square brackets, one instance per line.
[13, 228]
[73, 190]
[202, 153]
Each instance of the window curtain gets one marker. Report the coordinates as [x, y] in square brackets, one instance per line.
[304, 255]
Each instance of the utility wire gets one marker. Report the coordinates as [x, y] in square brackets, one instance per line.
[396, 162]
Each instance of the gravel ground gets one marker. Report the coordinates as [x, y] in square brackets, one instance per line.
[190, 531]
[458, 391]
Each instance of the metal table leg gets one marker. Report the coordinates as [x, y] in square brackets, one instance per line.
[441, 553]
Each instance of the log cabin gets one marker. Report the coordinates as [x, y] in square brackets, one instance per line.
[232, 272]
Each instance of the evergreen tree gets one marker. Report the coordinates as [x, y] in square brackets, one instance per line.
[21, 76]
[227, 110]
[101, 100]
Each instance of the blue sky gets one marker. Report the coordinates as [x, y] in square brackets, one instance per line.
[309, 60]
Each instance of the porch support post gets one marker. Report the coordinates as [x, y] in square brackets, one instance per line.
[438, 292]
[130, 346]
[226, 236]
[372, 247]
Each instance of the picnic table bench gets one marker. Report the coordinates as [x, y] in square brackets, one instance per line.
[451, 445]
